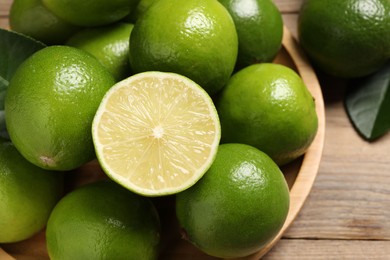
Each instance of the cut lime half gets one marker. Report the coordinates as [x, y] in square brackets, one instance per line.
[156, 133]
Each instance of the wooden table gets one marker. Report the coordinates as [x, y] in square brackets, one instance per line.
[347, 214]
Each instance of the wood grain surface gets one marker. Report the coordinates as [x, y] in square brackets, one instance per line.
[347, 214]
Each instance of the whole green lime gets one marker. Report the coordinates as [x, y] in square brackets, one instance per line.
[109, 44]
[50, 104]
[103, 221]
[238, 206]
[28, 195]
[346, 38]
[269, 107]
[198, 40]
[259, 28]
[32, 18]
[91, 13]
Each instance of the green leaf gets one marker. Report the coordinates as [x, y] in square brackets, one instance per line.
[14, 49]
[368, 104]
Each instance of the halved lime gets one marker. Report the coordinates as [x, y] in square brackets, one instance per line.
[156, 133]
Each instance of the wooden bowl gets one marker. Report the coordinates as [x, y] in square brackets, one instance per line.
[299, 174]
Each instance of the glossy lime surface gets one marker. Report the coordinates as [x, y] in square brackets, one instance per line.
[346, 38]
[259, 27]
[91, 12]
[103, 221]
[28, 195]
[198, 40]
[268, 106]
[238, 206]
[109, 44]
[50, 104]
[32, 18]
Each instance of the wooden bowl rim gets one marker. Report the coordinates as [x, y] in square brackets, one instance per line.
[310, 164]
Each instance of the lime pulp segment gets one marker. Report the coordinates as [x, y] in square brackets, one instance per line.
[156, 133]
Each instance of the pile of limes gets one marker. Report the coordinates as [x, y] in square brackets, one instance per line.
[171, 97]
